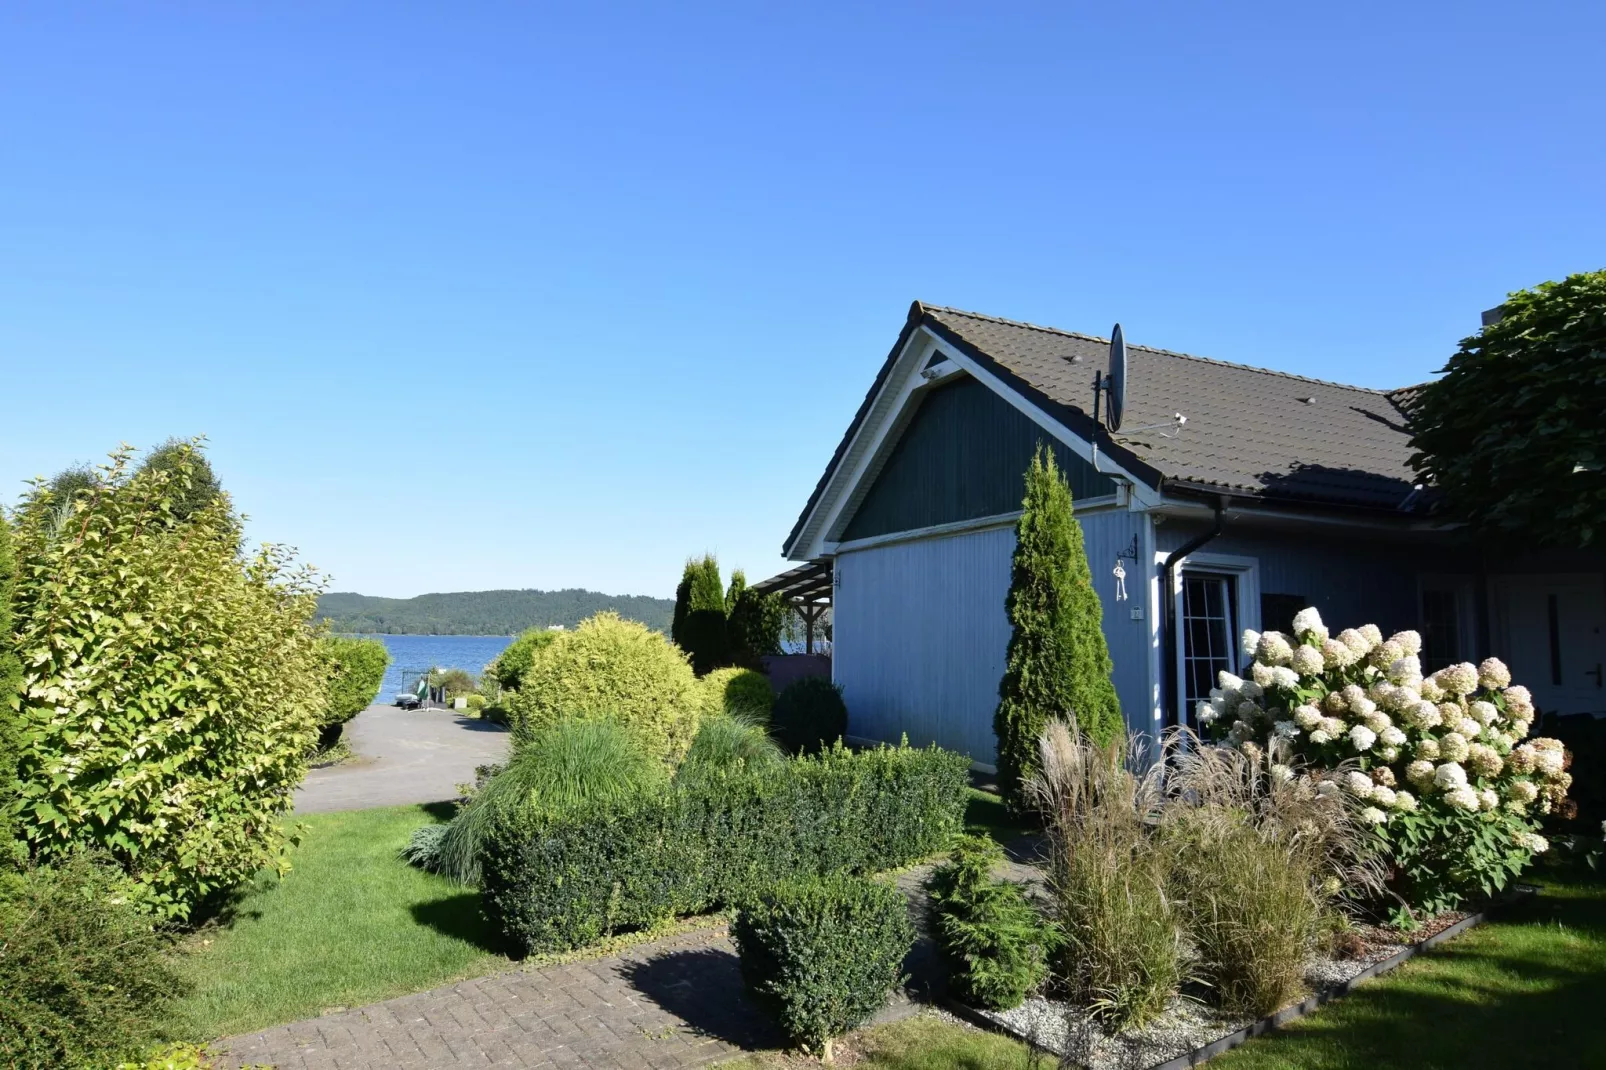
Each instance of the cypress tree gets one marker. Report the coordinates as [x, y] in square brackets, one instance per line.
[1058, 665]
[677, 624]
[733, 593]
[707, 641]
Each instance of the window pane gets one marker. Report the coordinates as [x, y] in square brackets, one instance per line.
[1207, 629]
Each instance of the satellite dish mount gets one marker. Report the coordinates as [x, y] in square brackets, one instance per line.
[1110, 387]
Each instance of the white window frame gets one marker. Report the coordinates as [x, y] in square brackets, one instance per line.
[1243, 571]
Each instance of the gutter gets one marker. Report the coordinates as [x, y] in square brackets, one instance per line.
[1168, 607]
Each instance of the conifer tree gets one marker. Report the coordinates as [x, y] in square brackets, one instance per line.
[10, 685]
[1058, 665]
[706, 638]
[677, 624]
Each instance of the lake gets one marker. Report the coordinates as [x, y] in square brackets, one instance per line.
[413, 655]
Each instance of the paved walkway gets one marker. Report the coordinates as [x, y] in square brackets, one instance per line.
[403, 756]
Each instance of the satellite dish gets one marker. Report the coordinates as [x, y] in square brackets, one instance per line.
[1117, 401]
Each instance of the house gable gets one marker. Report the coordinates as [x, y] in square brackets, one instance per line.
[962, 455]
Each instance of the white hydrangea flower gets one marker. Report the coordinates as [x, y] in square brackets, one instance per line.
[1320, 737]
[1534, 842]
[1385, 654]
[1333, 703]
[1284, 730]
[1388, 753]
[1250, 689]
[1420, 772]
[1308, 661]
[1431, 690]
[1487, 799]
[1261, 673]
[1359, 784]
[1462, 798]
[1549, 760]
[1307, 716]
[1333, 726]
[1362, 738]
[1373, 816]
[1493, 674]
[1406, 670]
[1459, 679]
[1520, 727]
[1392, 737]
[1448, 776]
[1309, 620]
[1249, 642]
[1228, 682]
[1485, 713]
[1372, 633]
[1358, 644]
[1384, 797]
[1248, 711]
[1424, 715]
[1274, 649]
[1377, 721]
[1281, 773]
[1469, 728]
[1361, 705]
[1453, 746]
[1428, 748]
[1524, 758]
[1410, 641]
[1207, 712]
[1404, 800]
[1398, 699]
[1524, 791]
[1337, 655]
[1284, 677]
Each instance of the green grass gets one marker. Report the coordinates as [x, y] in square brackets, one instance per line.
[349, 925]
[986, 815]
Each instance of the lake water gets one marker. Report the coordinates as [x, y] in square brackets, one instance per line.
[413, 655]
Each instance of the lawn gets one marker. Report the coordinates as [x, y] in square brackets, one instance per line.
[1522, 991]
[349, 925]
[986, 815]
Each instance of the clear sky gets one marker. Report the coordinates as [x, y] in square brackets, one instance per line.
[523, 295]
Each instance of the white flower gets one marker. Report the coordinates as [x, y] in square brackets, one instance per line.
[1493, 674]
[1423, 715]
[1408, 668]
[1333, 726]
[1360, 705]
[1228, 682]
[1249, 642]
[1404, 800]
[1427, 748]
[1431, 690]
[1534, 842]
[1273, 649]
[1373, 816]
[1309, 620]
[1261, 673]
[1285, 730]
[1459, 679]
[1284, 677]
[1362, 738]
[1307, 661]
[1248, 711]
[1359, 645]
[1207, 712]
[1385, 654]
[1320, 737]
[1384, 797]
[1484, 713]
[1520, 727]
[1453, 746]
[1250, 689]
[1372, 633]
[1524, 791]
[1410, 642]
[1281, 773]
[1392, 737]
[1359, 784]
[1307, 717]
[1337, 655]
[1449, 776]
[1377, 720]
[1389, 753]
[1549, 756]
[1487, 799]
[1420, 772]
[1462, 798]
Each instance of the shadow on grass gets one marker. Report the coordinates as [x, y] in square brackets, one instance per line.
[704, 988]
[440, 811]
[459, 916]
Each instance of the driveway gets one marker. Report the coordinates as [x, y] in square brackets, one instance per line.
[403, 756]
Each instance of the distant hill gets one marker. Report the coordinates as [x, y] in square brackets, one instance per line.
[484, 612]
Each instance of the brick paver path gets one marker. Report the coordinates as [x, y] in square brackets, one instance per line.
[667, 1005]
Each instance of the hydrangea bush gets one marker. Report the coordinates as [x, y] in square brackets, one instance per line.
[1441, 764]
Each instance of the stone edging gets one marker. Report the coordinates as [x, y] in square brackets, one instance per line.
[1293, 1011]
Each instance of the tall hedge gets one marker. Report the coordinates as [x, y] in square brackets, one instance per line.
[755, 625]
[610, 667]
[706, 640]
[172, 685]
[552, 881]
[677, 622]
[356, 669]
[1057, 665]
[10, 685]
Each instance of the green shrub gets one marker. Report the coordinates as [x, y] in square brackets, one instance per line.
[555, 771]
[557, 881]
[754, 624]
[725, 743]
[10, 685]
[476, 701]
[619, 669]
[808, 714]
[704, 630]
[1058, 664]
[196, 485]
[823, 955]
[424, 847]
[356, 669]
[993, 939]
[738, 692]
[174, 688]
[85, 979]
[508, 667]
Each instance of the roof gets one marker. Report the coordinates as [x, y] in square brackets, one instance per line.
[1250, 431]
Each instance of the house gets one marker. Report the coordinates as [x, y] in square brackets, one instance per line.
[1276, 492]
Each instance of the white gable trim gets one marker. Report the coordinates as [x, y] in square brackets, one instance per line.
[884, 421]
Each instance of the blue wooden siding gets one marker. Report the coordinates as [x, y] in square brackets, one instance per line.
[962, 456]
[920, 632]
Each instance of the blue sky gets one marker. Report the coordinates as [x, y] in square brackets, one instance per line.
[598, 286]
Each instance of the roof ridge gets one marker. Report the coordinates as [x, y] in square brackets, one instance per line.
[1163, 352]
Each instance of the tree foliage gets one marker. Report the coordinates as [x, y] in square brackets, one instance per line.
[677, 624]
[197, 488]
[755, 626]
[356, 669]
[483, 612]
[706, 637]
[10, 686]
[1512, 437]
[511, 664]
[171, 685]
[1058, 665]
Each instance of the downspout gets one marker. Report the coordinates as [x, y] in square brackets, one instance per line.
[1168, 607]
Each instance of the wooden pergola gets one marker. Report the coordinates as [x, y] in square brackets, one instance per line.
[806, 590]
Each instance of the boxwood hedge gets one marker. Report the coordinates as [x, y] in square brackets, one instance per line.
[558, 881]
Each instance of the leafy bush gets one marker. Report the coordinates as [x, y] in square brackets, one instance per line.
[557, 770]
[1440, 766]
[455, 683]
[754, 623]
[823, 955]
[552, 881]
[173, 688]
[1123, 954]
[509, 667]
[808, 714]
[613, 668]
[1058, 664]
[475, 701]
[724, 744]
[85, 978]
[190, 473]
[738, 692]
[703, 630]
[10, 685]
[356, 669]
[993, 939]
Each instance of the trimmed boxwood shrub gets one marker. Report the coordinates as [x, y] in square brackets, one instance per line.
[613, 668]
[822, 955]
[356, 669]
[994, 941]
[739, 692]
[808, 714]
[558, 881]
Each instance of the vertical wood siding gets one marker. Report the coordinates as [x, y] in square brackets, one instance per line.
[920, 632]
